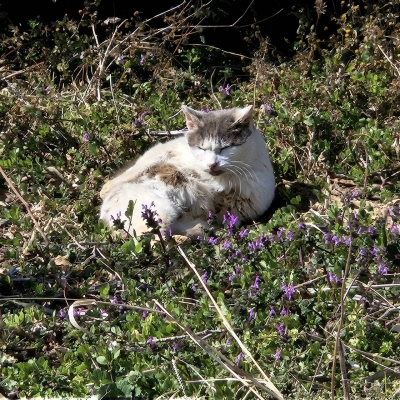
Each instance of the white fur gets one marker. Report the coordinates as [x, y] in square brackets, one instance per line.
[248, 176]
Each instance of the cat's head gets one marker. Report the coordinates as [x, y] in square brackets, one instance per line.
[219, 138]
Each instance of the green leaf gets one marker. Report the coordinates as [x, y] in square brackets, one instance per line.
[104, 290]
[101, 360]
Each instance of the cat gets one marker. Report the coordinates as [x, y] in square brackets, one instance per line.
[220, 164]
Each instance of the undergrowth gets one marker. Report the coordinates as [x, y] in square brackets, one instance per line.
[301, 305]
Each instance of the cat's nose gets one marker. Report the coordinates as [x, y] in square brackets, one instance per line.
[212, 165]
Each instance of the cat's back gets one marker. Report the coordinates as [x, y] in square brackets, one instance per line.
[175, 151]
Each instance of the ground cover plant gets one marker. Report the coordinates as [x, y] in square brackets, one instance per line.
[304, 304]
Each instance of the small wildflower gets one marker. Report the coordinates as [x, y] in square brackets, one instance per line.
[251, 314]
[226, 245]
[301, 226]
[62, 314]
[256, 284]
[175, 347]
[346, 240]
[277, 355]
[281, 329]
[151, 342]
[230, 219]
[230, 277]
[121, 59]
[204, 277]
[213, 240]
[114, 300]
[228, 341]
[86, 136]
[193, 287]
[225, 90]
[290, 236]
[239, 358]
[333, 278]
[243, 233]
[117, 216]
[279, 233]
[272, 310]
[149, 216]
[144, 314]
[335, 240]
[289, 291]
[266, 108]
[284, 311]
[238, 271]
[382, 269]
[327, 238]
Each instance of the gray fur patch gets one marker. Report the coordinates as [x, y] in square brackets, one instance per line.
[219, 126]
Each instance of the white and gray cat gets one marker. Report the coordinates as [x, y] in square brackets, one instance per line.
[220, 164]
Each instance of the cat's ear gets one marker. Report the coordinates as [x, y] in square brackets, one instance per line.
[192, 117]
[244, 116]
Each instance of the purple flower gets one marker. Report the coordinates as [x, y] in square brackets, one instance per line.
[333, 278]
[301, 226]
[175, 347]
[277, 355]
[225, 90]
[281, 329]
[213, 240]
[144, 314]
[272, 310]
[228, 341]
[121, 59]
[239, 358]
[238, 271]
[230, 277]
[117, 217]
[204, 277]
[193, 287]
[256, 284]
[85, 136]
[354, 194]
[327, 238]
[226, 245]
[149, 216]
[62, 314]
[251, 314]
[210, 215]
[266, 108]
[335, 240]
[279, 233]
[243, 233]
[290, 236]
[230, 219]
[151, 342]
[382, 269]
[289, 291]
[346, 240]
[284, 311]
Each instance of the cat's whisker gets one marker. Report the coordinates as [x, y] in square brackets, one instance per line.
[241, 171]
[248, 168]
[236, 175]
[238, 178]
